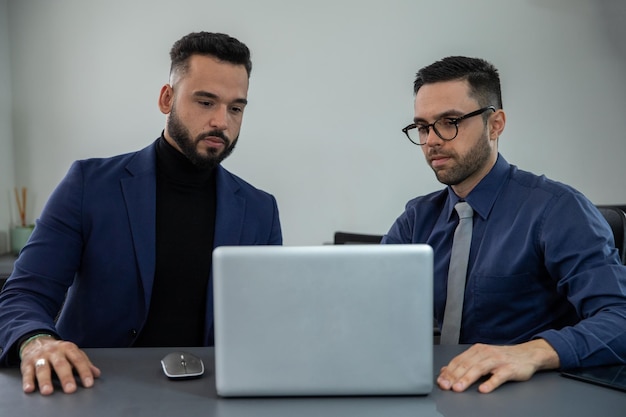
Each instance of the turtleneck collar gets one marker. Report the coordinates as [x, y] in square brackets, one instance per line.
[174, 166]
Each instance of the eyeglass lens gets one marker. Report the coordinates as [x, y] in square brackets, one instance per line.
[446, 128]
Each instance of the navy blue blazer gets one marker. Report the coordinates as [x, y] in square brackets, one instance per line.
[93, 252]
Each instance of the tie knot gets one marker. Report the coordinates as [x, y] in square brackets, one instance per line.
[464, 209]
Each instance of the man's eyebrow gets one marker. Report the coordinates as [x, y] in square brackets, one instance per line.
[446, 114]
[207, 94]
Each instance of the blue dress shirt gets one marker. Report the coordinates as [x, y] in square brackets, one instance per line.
[542, 265]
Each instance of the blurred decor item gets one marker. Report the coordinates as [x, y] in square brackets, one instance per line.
[21, 205]
[19, 237]
[21, 233]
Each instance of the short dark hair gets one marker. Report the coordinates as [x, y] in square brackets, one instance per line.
[481, 75]
[219, 45]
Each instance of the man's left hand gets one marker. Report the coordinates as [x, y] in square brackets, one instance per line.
[502, 363]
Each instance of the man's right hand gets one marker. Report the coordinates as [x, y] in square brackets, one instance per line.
[44, 355]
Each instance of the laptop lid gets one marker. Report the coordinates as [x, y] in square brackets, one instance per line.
[323, 320]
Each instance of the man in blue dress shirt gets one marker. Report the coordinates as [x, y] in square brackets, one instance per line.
[545, 288]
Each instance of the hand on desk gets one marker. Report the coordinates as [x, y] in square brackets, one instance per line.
[504, 363]
[45, 354]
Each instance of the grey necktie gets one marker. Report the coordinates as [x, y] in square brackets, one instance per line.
[451, 328]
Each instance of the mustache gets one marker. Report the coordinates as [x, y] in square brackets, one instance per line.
[214, 133]
[434, 152]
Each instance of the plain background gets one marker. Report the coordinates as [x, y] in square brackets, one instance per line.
[331, 88]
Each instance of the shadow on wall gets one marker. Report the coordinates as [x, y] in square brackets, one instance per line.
[613, 13]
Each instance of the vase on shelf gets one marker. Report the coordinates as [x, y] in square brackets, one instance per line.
[19, 237]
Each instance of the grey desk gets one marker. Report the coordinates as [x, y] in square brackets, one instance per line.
[133, 384]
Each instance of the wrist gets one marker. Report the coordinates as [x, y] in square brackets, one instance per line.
[546, 356]
[30, 339]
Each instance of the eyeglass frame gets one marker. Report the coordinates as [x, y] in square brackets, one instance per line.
[454, 120]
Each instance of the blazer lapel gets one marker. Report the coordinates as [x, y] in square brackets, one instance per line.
[139, 191]
[229, 220]
[230, 212]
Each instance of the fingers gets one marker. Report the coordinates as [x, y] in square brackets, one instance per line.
[497, 378]
[494, 382]
[37, 373]
[458, 379]
[86, 370]
[463, 370]
[501, 363]
[64, 371]
[28, 377]
[48, 357]
[473, 364]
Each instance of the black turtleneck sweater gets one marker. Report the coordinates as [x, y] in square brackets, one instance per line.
[185, 225]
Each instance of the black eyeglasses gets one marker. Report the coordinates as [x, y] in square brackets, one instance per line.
[446, 127]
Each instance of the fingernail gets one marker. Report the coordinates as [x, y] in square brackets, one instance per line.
[88, 381]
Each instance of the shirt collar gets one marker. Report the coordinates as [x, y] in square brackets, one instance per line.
[484, 195]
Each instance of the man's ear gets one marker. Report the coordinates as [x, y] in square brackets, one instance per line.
[497, 121]
[166, 98]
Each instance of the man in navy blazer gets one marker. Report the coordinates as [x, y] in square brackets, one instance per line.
[121, 255]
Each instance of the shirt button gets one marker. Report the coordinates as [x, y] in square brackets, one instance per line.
[133, 332]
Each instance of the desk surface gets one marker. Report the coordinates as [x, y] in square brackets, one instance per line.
[133, 384]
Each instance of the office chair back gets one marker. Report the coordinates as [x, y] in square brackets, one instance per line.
[616, 217]
[346, 238]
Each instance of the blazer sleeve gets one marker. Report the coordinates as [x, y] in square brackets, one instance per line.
[45, 269]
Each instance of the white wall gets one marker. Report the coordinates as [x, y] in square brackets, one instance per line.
[330, 90]
[7, 171]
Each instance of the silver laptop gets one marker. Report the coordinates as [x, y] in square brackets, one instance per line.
[323, 320]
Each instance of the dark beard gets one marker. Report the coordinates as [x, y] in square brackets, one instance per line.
[472, 162]
[187, 145]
